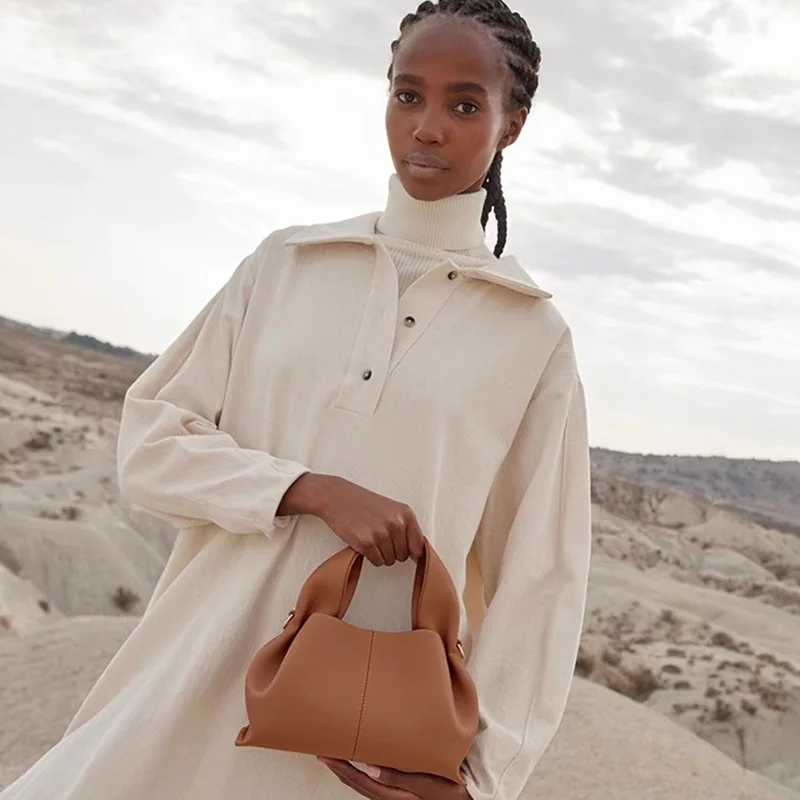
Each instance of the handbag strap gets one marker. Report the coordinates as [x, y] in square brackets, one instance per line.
[331, 587]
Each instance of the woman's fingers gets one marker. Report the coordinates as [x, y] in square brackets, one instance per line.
[416, 539]
[401, 548]
[400, 542]
[360, 782]
[373, 554]
[386, 546]
[383, 530]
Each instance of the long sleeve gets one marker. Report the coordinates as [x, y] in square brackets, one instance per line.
[533, 550]
[173, 460]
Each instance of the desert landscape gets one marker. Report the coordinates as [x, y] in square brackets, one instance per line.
[688, 679]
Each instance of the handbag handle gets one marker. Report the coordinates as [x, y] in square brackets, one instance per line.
[331, 587]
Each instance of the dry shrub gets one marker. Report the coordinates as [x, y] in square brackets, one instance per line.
[41, 440]
[69, 513]
[125, 599]
[722, 711]
[585, 662]
[774, 698]
[644, 683]
[723, 639]
[749, 707]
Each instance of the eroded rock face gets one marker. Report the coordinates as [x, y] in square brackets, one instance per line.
[648, 504]
[700, 622]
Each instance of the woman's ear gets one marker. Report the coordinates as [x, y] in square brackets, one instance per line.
[516, 122]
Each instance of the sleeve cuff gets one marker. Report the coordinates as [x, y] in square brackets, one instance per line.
[274, 522]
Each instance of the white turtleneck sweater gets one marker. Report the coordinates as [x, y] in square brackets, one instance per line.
[420, 234]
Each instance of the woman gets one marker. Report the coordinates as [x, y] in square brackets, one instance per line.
[364, 382]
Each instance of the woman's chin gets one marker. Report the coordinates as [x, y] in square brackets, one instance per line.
[427, 186]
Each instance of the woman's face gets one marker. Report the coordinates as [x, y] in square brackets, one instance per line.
[447, 114]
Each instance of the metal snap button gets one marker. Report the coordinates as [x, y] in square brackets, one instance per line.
[367, 374]
[410, 322]
[452, 275]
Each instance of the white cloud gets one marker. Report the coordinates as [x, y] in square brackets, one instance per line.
[153, 142]
[737, 178]
[69, 150]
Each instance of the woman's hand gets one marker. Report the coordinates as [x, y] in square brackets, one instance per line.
[391, 784]
[379, 528]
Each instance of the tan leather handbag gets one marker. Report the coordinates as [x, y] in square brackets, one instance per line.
[327, 688]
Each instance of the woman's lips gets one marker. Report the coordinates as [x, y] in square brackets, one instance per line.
[425, 165]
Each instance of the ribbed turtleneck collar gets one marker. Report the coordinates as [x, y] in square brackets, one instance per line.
[453, 223]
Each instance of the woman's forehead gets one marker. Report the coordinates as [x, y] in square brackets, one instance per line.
[451, 46]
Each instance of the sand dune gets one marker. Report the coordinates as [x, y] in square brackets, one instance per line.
[609, 746]
[45, 674]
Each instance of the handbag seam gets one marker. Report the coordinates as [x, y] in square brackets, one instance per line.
[364, 694]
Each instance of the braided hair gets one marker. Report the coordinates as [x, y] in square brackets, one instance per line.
[523, 59]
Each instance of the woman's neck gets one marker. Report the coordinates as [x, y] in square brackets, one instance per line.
[453, 223]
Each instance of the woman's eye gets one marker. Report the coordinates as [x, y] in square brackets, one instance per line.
[406, 96]
[466, 107]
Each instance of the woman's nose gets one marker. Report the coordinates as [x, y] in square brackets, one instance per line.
[429, 129]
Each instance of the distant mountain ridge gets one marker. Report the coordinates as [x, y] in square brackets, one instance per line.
[96, 344]
[80, 339]
[766, 491]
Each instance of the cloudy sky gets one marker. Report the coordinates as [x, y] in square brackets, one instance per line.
[147, 145]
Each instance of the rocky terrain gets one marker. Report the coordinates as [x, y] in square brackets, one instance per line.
[764, 491]
[689, 670]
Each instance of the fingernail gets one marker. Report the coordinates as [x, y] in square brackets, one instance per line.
[373, 772]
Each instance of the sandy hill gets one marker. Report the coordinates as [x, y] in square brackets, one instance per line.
[689, 671]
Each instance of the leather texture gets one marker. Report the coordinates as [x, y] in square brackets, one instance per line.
[327, 688]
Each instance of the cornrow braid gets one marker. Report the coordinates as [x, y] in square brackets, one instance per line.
[523, 59]
[496, 201]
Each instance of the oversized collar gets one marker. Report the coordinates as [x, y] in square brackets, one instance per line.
[504, 271]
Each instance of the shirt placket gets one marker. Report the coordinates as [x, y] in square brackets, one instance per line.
[419, 306]
[390, 327]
